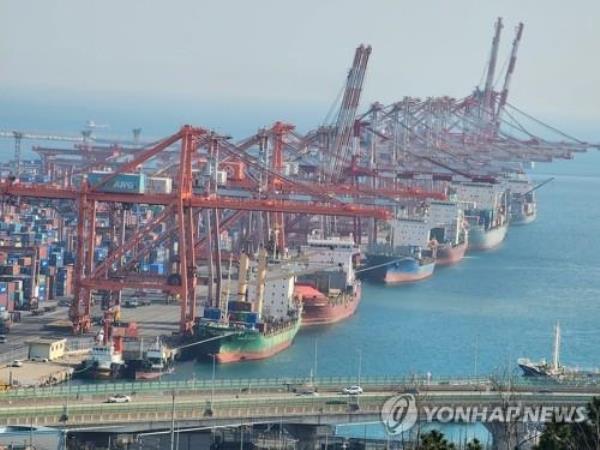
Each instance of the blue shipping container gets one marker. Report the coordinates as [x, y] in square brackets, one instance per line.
[132, 183]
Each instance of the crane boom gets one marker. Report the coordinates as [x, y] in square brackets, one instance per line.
[489, 81]
[509, 73]
[347, 112]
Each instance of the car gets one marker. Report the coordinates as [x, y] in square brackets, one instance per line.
[352, 390]
[307, 393]
[39, 359]
[119, 398]
[17, 363]
[2, 339]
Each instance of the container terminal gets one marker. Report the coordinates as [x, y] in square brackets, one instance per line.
[197, 245]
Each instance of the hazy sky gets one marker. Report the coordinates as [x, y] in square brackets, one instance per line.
[256, 53]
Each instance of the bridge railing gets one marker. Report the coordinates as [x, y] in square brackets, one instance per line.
[242, 384]
[283, 384]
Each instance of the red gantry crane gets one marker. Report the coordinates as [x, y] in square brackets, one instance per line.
[178, 209]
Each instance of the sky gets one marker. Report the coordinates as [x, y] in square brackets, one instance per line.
[243, 64]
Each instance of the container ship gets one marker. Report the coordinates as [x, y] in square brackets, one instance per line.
[450, 233]
[486, 212]
[523, 205]
[261, 323]
[409, 256]
[332, 293]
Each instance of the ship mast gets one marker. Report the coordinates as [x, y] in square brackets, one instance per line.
[556, 347]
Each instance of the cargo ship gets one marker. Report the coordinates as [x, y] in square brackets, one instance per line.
[486, 212]
[261, 323]
[450, 233]
[523, 205]
[332, 293]
[409, 256]
[554, 369]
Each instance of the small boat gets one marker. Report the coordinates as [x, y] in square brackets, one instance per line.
[158, 361]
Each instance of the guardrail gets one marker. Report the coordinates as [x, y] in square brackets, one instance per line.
[243, 384]
[71, 389]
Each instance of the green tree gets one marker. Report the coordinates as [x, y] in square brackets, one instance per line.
[574, 436]
[474, 445]
[435, 440]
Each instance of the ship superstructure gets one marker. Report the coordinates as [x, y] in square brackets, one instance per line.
[486, 211]
[448, 231]
[329, 291]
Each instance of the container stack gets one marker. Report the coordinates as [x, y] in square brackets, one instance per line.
[35, 264]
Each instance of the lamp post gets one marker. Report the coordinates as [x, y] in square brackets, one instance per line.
[214, 369]
[359, 364]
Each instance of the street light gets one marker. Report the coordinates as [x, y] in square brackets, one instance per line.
[214, 368]
[359, 364]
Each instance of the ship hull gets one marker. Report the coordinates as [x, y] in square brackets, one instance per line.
[522, 219]
[482, 239]
[93, 371]
[398, 269]
[148, 375]
[325, 311]
[448, 255]
[531, 371]
[246, 345]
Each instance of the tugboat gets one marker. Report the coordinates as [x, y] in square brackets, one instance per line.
[158, 361]
[105, 361]
[106, 357]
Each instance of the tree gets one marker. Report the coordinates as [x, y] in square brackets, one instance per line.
[474, 445]
[434, 440]
[576, 436]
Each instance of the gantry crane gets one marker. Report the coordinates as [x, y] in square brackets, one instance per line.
[178, 210]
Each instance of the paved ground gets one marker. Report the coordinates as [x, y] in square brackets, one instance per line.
[38, 373]
[159, 318]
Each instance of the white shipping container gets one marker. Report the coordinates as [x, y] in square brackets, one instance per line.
[221, 177]
[159, 185]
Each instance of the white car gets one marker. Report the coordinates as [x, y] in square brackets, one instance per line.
[353, 390]
[17, 363]
[119, 398]
[39, 359]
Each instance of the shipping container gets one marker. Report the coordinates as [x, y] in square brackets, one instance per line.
[159, 185]
[130, 183]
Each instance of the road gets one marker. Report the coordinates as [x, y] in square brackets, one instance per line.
[88, 407]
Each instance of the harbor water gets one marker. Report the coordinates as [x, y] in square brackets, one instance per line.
[476, 317]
